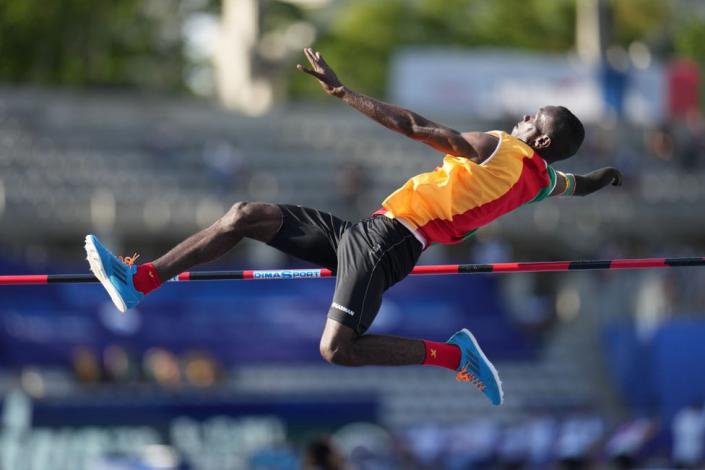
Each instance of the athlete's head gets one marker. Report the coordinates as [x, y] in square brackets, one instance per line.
[554, 132]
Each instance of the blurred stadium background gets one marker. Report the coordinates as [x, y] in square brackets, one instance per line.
[142, 121]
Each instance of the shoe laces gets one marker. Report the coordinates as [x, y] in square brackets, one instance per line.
[464, 375]
[129, 260]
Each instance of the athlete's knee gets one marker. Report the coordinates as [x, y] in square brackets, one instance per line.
[337, 352]
[239, 217]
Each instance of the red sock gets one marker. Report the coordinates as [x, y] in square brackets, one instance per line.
[146, 279]
[442, 355]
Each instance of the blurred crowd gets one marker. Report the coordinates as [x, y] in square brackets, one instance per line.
[160, 366]
[578, 440]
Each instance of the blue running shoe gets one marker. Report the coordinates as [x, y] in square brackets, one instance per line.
[113, 273]
[476, 368]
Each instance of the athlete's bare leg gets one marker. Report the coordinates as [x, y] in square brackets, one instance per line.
[259, 221]
[341, 345]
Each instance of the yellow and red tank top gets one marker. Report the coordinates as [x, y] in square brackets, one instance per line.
[449, 204]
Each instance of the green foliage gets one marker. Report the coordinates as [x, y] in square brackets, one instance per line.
[84, 42]
[276, 14]
[689, 39]
[365, 33]
[639, 19]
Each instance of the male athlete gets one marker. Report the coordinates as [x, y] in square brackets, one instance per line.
[483, 176]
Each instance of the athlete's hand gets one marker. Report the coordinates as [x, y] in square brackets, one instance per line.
[322, 71]
[615, 175]
[596, 180]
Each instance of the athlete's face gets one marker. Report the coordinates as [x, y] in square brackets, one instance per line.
[530, 128]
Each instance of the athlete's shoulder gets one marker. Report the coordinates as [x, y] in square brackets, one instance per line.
[490, 144]
[512, 144]
[483, 143]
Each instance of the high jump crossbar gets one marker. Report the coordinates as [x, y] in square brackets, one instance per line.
[445, 269]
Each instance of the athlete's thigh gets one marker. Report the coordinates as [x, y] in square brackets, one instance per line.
[310, 235]
[359, 287]
[373, 255]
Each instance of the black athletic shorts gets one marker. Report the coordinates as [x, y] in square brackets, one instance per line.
[368, 257]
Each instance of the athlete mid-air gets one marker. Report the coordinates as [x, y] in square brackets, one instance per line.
[483, 176]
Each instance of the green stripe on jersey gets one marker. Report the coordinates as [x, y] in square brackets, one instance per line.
[545, 192]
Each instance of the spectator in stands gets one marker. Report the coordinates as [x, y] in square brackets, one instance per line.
[654, 303]
[513, 448]
[162, 367]
[688, 428]
[690, 140]
[471, 445]
[659, 143]
[540, 436]
[429, 443]
[85, 364]
[119, 365]
[275, 458]
[578, 439]
[322, 454]
[200, 369]
[625, 448]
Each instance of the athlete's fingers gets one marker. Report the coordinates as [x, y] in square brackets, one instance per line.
[310, 56]
[314, 54]
[313, 73]
[321, 60]
[316, 60]
[301, 68]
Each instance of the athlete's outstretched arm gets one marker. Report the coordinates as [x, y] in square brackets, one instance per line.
[396, 118]
[569, 184]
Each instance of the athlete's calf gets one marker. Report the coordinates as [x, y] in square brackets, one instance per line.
[256, 220]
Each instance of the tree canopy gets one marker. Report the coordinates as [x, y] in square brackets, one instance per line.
[363, 34]
[138, 43]
[82, 42]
